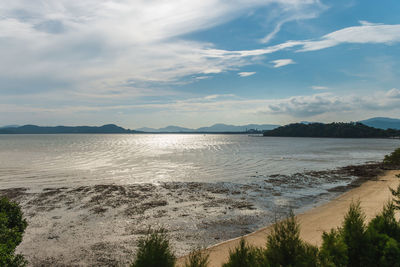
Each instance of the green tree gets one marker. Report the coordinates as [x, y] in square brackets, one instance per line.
[285, 248]
[12, 227]
[354, 234]
[393, 159]
[333, 251]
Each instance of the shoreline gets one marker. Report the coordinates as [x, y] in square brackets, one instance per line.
[100, 224]
[372, 194]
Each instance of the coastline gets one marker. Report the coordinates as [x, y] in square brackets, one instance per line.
[372, 195]
[100, 224]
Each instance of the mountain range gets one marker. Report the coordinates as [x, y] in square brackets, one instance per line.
[34, 129]
[377, 122]
[382, 123]
[216, 128]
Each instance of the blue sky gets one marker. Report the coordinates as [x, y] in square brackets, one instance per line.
[195, 63]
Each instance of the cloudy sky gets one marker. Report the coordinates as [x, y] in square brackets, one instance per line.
[195, 63]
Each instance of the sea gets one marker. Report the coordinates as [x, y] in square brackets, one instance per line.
[38, 161]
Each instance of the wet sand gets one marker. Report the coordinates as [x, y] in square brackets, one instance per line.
[372, 194]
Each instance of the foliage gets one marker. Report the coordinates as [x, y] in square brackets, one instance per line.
[285, 248]
[393, 159]
[383, 237]
[154, 250]
[333, 251]
[245, 256]
[197, 258]
[353, 231]
[355, 244]
[339, 130]
[12, 227]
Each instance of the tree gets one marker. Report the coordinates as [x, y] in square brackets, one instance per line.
[12, 227]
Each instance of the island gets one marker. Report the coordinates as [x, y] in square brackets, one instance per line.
[333, 130]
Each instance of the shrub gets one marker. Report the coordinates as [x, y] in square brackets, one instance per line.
[285, 248]
[245, 256]
[392, 160]
[154, 250]
[197, 258]
[333, 251]
[12, 227]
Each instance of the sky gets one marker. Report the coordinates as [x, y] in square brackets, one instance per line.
[193, 63]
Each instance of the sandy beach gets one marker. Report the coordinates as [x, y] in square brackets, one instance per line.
[372, 194]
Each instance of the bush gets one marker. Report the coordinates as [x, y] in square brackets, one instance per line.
[392, 160]
[154, 250]
[285, 248]
[245, 256]
[197, 258]
[12, 227]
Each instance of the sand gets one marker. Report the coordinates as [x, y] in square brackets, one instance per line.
[372, 195]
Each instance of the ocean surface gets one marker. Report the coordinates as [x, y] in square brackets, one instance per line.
[38, 161]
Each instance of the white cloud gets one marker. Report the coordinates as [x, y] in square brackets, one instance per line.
[282, 62]
[307, 106]
[246, 73]
[279, 17]
[96, 45]
[366, 33]
[328, 103]
[318, 87]
[393, 93]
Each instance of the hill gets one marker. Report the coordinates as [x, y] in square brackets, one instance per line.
[337, 130]
[220, 127]
[216, 128]
[34, 129]
[382, 123]
[168, 129]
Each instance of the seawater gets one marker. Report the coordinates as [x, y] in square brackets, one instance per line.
[37, 161]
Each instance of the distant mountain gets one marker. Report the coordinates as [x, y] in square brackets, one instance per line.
[147, 130]
[9, 126]
[168, 129]
[216, 128]
[34, 129]
[383, 123]
[233, 128]
[337, 130]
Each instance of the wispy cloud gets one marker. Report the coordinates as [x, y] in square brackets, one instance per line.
[366, 33]
[393, 93]
[309, 10]
[246, 73]
[282, 62]
[318, 87]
